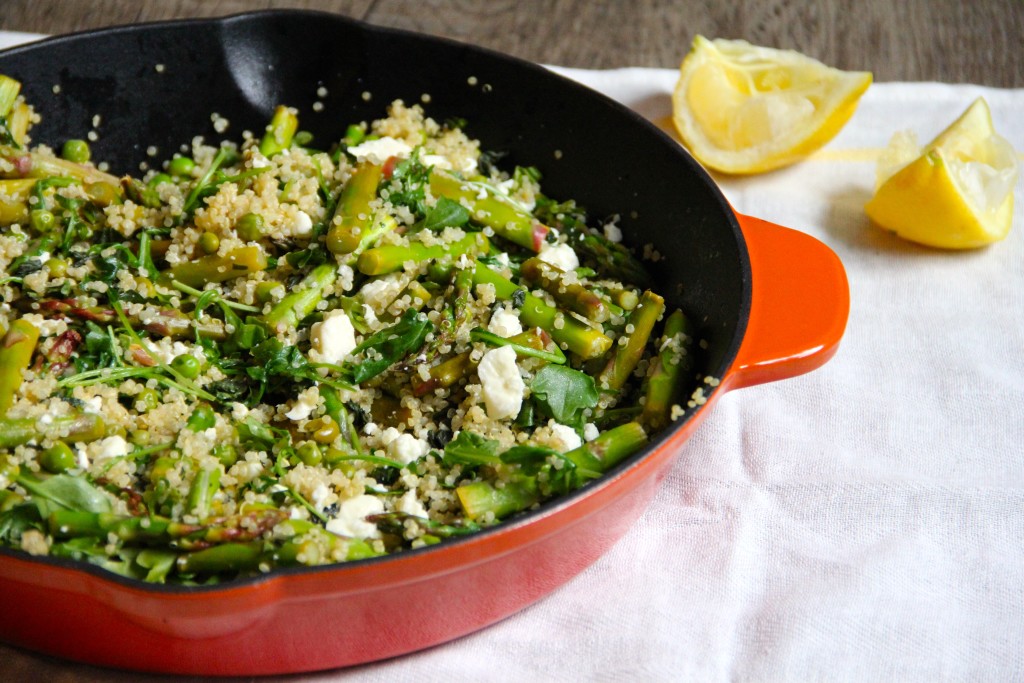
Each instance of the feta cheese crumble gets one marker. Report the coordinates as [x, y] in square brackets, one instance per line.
[502, 386]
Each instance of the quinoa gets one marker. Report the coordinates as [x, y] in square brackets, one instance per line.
[269, 354]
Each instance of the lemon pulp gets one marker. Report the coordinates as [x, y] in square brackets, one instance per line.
[740, 108]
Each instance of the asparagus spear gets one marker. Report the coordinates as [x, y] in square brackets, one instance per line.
[627, 354]
[391, 258]
[590, 460]
[573, 296]
[16, 351]
[20, 431]
[579, 338]
[489, 208]
[294, 307]
[674, 361]
[164, 322]
[280, 131]
[354, 223]
[214, 268]
[9, 89]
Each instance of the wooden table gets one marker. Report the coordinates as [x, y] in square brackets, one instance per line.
[908, 40]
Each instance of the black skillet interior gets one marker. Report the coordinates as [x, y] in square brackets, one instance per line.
[158, 84]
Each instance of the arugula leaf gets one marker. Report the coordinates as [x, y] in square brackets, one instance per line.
[471, 449]
[565, 393]
[446, 213]
[63, 491]
[389, 346]
[254, 432]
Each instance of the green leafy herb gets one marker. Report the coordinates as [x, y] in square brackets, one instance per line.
[471, 449]
[565, 393]
[62, 491]
[385, 348]
[446, 213]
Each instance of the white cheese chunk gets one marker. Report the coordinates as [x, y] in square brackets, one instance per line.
[561, 256]
[563, 439]
[332, 339]
[302, 226]
[380, 150]
[504, 322]
[411, 505]
[502, 386]
[304, 405]
[590, 431]
[406, 448]
[110, 447]
[352, 514]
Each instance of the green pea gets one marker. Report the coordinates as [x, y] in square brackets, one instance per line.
[147, 400]
[58, 458]
[103, 193]
[353, 135]
[187, 365]
[140, 437]
[160, 179]
[302, 138]
[226, 453]
[265, 291]
[57, 267]
[202, 417]
[209, 242]
[309, 453]
[77, 151]
[250, 227]
[324, 429]
[42, 220]
[181, 167]
[161, 468]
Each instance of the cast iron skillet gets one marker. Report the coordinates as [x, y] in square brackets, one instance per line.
[770, 302]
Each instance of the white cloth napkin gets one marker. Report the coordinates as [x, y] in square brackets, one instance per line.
[864, 522]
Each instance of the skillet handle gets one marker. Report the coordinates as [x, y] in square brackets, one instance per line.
[799, 306]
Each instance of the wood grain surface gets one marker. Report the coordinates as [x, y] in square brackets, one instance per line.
[898, 40]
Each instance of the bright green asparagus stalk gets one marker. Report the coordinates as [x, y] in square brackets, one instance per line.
[287, 313]
[204, 487]
[20, 431]
[354, 222]
[214, 268]
[16, 351]
[674, 361]
[9, 89]
[479, 498]
[579, 338]
[590, 461]
[627, 354]
[609, 448]
[573, 296]
[391, 258]
[280, 131]
[489, 208]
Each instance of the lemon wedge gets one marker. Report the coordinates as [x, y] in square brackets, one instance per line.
[956, 192]
[740, 108]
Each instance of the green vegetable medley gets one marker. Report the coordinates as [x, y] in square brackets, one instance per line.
[278, 352]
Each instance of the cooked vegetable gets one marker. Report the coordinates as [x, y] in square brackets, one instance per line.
[267, 355]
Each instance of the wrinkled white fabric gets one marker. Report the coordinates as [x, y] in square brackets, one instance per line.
[864, 522]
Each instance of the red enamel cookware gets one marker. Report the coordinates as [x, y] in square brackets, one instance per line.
[770, 302]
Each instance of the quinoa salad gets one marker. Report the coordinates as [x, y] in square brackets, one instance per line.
[286, 351]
